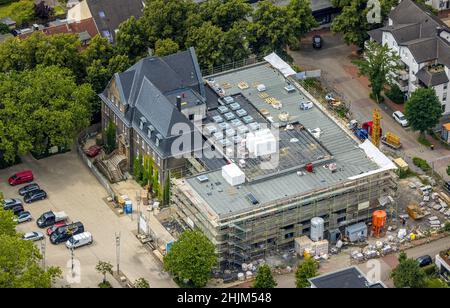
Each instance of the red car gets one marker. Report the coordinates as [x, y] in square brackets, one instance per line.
[55, 226]
[21, 177]
[93, 151]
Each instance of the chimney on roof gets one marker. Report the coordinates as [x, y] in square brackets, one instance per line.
[179, 103]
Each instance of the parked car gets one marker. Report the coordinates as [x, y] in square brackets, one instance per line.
[50, 218]
[21, 177]
[27, 188]
[33, 236]
[10, 203]
[17, 209]
[24, 216]
[400, 118]
[424, 260]
[55, 226]
[79, 240]
[62, 234]
[317, 41]
[34, 195]
[446, 186]
[93, 151]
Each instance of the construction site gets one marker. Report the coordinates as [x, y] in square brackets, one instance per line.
[257, 199]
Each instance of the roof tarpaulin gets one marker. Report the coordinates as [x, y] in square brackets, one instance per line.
[374, 154]
[279, 64]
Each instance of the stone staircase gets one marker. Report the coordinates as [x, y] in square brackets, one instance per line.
[111, 167]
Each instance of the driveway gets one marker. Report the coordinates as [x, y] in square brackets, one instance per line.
[341, 75]
[73, 189]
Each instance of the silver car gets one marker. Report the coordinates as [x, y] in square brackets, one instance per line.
[10, 203]
[33, 236]
[24, 216]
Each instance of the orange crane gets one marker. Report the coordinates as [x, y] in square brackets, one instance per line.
[376, 128]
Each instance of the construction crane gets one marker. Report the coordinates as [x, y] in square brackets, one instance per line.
[376, 128]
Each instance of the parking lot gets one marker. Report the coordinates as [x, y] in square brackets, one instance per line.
[73, 189]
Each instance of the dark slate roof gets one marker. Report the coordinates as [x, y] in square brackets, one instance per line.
[376, 35]
[115, 12]
[423, 50]
[431, 79]
[350, 277]
[149, 88]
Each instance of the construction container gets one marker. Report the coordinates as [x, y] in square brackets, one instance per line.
[320, 247]
[309, 167]
[401, 164]
[445, 135]
[303, 243]
[233, 174]
[317, 228]
[356, 232]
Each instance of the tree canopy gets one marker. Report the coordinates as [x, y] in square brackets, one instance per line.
[423, 109]
[306, 270]
[378, 64]
[191, 258]
[19, 259]
[264, 278]
[42, 107]
[408, 274]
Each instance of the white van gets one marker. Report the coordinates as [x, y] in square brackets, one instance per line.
[79, 240]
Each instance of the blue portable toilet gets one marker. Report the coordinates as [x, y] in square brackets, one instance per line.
[128, 207]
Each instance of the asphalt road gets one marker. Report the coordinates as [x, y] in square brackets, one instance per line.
[73, 189]
[340, 75]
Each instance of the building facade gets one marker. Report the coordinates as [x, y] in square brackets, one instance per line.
[147, 101]
[423, 43]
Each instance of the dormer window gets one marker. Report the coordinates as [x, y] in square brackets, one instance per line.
[142, 123]
[158, 139]
[150, 131]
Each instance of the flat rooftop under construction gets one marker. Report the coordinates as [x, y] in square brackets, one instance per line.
[349, 158]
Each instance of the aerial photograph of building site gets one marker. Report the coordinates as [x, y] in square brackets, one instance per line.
[225, 145]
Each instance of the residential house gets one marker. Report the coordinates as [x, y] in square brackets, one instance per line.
[423, 43]
[107, 14]
[148, 101]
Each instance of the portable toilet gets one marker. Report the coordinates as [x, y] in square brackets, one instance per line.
[128, 207]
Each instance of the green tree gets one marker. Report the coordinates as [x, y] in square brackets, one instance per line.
[155, 184]
[395, 94]
[191, 258]
[99, 49]
[131, 39]
[7, 223]
[436, 283]
[264, 278]
[447, 226]
[98, 76]
[353, 21]
[19, 263]
[423, 109]
[207, 40]
[163, 19]
[166, 47]
[408, 274]
[104, 268]
[271, 29]
[4, 29]
[234, 44]
[306, 270]
[300, 15]
[378, 64]
[141, 283]
[225, 13]
[22, 11]
[110, 133]
[42, 108]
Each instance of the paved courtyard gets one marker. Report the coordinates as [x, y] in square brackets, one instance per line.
[73, 189]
